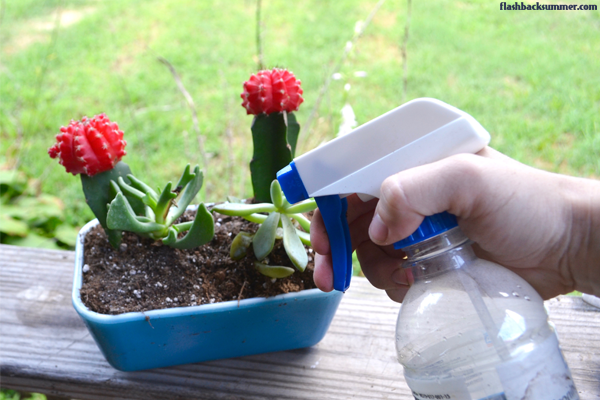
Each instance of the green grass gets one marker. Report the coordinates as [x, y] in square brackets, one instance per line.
[531, 78]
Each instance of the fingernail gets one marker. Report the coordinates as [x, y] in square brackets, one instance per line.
[377, 230]
[400, 277]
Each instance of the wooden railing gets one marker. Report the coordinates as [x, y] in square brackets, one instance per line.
[44, 347]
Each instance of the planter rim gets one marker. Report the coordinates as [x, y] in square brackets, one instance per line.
[195, 311]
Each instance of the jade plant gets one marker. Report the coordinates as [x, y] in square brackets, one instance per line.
[277, 223]
[93, 148]
[271, 96]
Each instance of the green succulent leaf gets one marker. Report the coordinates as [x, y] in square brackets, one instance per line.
[201, 231]
[242, 210]
[233, 199]
[149, 201]
[133, 196]
[97, 196]
[114, 188]
[164, 203]
[292, 244]
[276, 194]
[302, 220]
[304, 237]
[130, 190]
[240, 245]
[144, 219]
[121, 216]
[171, 237]
[193, 184]
[273, 271]
[141, 186]
[185, 178]
[302, 207]
[264, 239]
[256, 218]
[184, 226]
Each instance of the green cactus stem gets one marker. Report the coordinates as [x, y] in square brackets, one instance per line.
[98, 194]
[274, 138]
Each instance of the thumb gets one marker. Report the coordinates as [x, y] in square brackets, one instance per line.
[454, 184]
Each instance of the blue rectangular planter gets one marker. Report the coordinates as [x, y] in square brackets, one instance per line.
[161, 338]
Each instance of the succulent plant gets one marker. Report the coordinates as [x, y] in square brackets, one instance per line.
[276, 224]
[93, 148]
[271, 96]
[160, 210]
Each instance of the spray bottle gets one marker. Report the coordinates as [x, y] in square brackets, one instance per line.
[468, 329]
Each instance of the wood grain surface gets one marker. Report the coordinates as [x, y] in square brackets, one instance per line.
[44, 347]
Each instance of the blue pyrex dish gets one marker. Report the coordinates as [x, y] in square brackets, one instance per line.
[160, 338]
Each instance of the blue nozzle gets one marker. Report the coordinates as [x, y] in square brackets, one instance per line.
[333, 210]
[291, 184]
[431, 226]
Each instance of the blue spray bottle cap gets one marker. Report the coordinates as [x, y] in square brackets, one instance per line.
[431, 226]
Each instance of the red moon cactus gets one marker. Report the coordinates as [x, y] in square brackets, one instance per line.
[89, 146]
[272, 91]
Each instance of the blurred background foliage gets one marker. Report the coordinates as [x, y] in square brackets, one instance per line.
[31, 218]
[529, 77]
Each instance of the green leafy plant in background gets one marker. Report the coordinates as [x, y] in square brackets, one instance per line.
[93, 148]
[276, 221]
[9, 394]
[30, 219]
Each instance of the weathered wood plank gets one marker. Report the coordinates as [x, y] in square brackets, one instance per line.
[46, 348]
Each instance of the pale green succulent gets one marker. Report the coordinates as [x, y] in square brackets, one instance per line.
[136, 207]
[277, 223]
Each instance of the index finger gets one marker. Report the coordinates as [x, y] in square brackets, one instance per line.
[318, 233]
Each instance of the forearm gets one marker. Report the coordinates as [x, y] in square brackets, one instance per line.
[583, 254]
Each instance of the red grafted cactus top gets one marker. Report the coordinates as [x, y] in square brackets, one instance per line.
[270, 91]
[89, 146]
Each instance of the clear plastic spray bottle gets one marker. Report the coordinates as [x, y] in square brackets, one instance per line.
[469, 329]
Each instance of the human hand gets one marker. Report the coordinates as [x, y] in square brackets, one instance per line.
[538, 224]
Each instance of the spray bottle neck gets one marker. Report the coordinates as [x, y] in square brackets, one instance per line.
[447, 251]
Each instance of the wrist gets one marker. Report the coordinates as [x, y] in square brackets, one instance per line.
[583, 234]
